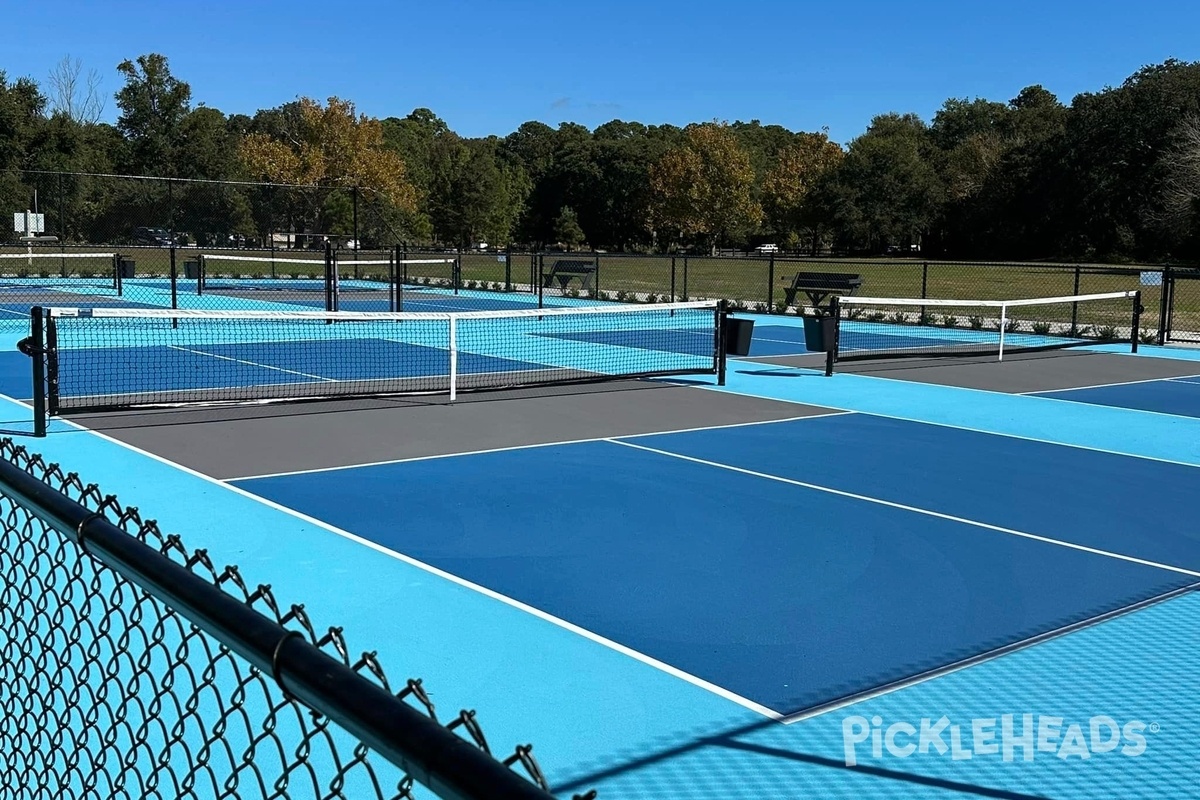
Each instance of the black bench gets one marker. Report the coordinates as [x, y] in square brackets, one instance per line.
[817, 286]
[564, 269]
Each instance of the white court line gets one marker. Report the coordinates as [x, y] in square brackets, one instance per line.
[1106, 385]
[985, 431]
[489, 593]
[252, 363]
[838, 413]
[1186, 379]
[913, 509]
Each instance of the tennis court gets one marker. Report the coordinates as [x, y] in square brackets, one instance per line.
[677, 588]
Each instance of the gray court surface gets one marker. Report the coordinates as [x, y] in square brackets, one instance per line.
[1016, 374]
[243, 442]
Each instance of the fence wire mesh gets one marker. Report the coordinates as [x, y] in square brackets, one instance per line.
[158, 226]
[109, 692]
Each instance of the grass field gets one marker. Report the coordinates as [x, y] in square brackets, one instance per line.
[636, 277]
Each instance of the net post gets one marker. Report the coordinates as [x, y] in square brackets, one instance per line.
[38, 355]
[1004, 324]
[721, 343]
[1135, 329]
[453, 357]
[831, 347]
[51, 356]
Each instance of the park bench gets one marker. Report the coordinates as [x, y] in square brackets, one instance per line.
[818, 286]
[563, 270]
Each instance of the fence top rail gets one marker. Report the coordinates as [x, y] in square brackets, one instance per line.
[428, 751]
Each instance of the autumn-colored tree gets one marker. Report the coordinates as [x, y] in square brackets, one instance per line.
[787, 188]
[702, 187]
[330, 146]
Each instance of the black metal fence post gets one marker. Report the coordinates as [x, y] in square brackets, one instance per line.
[771, 285]
[540, 270]
[924, 287]
[508, 268]
[357, 241]
[685, 278]
[1137, 318]
[1075, 306]
[672, 279]
[174, 280]
[394, 280]
[1165, 298]
[596, 278]
[720, 345]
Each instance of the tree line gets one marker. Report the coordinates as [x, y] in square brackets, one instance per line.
[1113, 175]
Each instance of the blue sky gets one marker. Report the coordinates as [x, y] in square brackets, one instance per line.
[486, 67]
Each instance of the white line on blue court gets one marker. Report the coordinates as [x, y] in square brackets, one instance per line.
[913, 509]
[1186, 379]
[252, 363]
[951, 425]
[837, 413]
[493, 595]
[1181, 379]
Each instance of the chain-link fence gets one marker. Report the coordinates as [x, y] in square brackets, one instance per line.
[134, 667]
[266, 243]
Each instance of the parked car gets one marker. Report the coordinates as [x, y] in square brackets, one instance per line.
[155, 237]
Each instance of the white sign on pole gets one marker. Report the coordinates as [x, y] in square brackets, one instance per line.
[29, 223]
[1151, 279]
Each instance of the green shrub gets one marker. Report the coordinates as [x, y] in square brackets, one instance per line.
[949, 321]
[1107, 333]
[781, 307]
[975, 322]
[925, 318]
[1148, 337]
[621, 296]
[899, 318]
[876, 316]
[1042, 328]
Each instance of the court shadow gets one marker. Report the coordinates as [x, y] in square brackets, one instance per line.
[782, 373]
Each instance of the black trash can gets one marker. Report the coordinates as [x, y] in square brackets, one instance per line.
[125, 267]
[819, 333]
[191, 270]
[738, 335]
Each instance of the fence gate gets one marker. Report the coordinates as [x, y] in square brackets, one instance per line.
[1181, 305]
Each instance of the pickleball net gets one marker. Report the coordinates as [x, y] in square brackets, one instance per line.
[877, 328]
[107, 359]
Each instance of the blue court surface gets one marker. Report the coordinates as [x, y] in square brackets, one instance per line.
[1179, 396]
[769, 602]
[771, 560]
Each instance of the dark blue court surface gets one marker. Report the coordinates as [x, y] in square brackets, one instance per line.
[777, 561]
[1170, 396]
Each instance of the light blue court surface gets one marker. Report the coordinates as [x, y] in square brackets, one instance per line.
[648, 610]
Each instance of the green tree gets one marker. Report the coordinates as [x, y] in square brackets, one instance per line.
[154, 105]
[322, 147]
[566, 228]
[887, 191]
[702, 188]
[788, 188]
